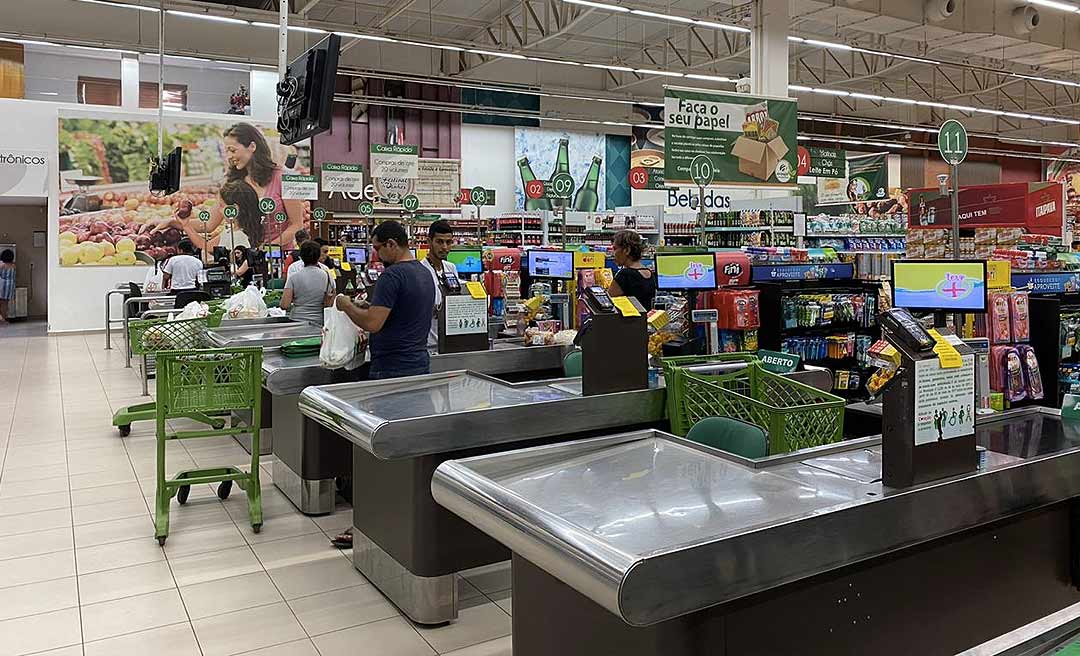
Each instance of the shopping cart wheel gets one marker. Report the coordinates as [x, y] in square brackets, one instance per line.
[182, 494]
[257, 528]
[224, 489]
[125, 430]
[161, 540]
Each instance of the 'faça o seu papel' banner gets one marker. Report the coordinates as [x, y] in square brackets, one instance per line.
[750, 140]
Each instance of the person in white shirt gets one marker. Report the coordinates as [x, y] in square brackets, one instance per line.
[324, 253]
[440, 241]
[182, 270]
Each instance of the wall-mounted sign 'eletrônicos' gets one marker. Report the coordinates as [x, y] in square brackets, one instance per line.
[1036, 206]
[749, 140]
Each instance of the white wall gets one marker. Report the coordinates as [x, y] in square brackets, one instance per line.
[57, 71]
[208, 89]
[487, 160]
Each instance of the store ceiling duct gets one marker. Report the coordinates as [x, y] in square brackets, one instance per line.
[939, 10]
[1025, 19]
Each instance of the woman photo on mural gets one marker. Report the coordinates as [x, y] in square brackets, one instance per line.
[251, 174]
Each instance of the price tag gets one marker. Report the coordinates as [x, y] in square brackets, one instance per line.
[948, 357]
[590, 260]
[625, 307]
[476, 289]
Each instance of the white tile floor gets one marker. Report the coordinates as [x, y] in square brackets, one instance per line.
[80, 570]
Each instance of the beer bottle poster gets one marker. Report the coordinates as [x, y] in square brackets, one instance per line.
[541, 154]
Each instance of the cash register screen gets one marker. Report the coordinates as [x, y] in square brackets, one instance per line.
[217, 275]
[355, 255]
[940, 285]
[467, 261]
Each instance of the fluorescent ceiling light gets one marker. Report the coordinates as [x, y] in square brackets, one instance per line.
[828, 44]
[48, 93]
[649, 71]
[722, 26]
[1051, 4]
[964, 108]
[709, 78]
[597, 5]
[309, 30]
[553, 61]
[669, 17]
[610, 67]
[121, 5]
[29, 42]
[376, 37]
[209, 17]
[490, 53]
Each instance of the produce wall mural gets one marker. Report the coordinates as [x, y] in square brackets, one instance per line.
[108, 217]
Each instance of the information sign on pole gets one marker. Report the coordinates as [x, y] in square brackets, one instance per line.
[953, 141]
[561, 186]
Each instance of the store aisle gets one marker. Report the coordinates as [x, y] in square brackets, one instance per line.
[80, 571]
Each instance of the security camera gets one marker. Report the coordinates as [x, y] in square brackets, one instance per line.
[943, 184]
[1025, 19]
[939, 10]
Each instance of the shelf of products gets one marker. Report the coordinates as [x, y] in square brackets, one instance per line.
[857, 225]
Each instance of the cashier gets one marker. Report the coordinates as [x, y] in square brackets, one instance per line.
[443, 273]
[399, 313]
[633, 279]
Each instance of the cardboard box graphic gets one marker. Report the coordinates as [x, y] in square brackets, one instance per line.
[758, 159]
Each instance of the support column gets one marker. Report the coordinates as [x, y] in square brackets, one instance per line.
[769, 49]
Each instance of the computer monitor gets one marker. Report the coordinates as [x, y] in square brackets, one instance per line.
[940, 285]
[551, 264]
[356, 255]
[467, 261]
[686, 271]
[273, 251]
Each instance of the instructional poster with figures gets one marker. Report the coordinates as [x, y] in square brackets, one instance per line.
[944, 400]
[466, 315]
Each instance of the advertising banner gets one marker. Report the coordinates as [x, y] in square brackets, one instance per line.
[394, 161]
[1036, 206]
[767, 272]
[109, 217]
[24, 173]
[822, 162]
[569, 163]
[436, 187]
[749, 141]
[867, 178]
[299, 187]
[647, 148]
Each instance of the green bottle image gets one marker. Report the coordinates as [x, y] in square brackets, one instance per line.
[527, 175]
[562, 165]
[587, 198]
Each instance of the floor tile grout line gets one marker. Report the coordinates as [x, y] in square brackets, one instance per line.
[71, 510]
[14, 409]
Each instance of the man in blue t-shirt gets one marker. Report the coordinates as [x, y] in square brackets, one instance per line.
[399, 315]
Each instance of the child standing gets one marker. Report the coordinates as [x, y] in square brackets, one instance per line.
[7, 282]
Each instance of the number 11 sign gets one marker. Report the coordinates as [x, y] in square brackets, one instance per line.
[952, 141]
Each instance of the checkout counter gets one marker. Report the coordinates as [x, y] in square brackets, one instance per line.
[645, 543]
[309, 458]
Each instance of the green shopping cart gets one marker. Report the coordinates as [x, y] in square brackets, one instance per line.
[201, 383]
[147, 338]
[793, 414]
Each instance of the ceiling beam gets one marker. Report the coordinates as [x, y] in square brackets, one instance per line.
[399, 7]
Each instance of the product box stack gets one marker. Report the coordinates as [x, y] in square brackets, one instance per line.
[1014, 369]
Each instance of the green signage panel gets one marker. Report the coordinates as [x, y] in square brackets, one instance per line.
[319, 213]
[365, 208]
[560, 186]
[778, 363]
[952, 141]
[748, 140]
[827, 163]
[266, 205]
[868, 178]
[230, 211]
[204, 215]
[411, 203]
[701, 171]
[394, 149]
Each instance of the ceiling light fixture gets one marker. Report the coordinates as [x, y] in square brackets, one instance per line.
[649, 71]
[645, 13]
[961, 108]
[490, 53]
[119, 5]
[209, 17]
[375, 37]
[597, 5]
[1052, 4]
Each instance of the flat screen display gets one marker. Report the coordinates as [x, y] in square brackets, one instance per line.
[467, 261]
[356, 255]
[686, 271]
[940, 285]
[551, 264]
[273, 251]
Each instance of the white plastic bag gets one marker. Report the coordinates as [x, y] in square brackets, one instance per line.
[339, 338]
[192, 310]
[247, 304]
[153, 282]
[276, 313]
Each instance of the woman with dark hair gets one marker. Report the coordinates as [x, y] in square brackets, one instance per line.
[248, 229]
[249, 159]
[242, 270]
[633, 278]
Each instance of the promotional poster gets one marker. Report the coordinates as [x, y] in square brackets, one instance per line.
[108, 216]
[543, 154]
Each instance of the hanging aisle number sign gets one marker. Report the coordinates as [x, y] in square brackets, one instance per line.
[952, 141]
[701, 171]
[561, 186]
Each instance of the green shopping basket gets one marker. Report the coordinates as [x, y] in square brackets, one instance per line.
[676, 367]
[200, 383]
[793, 414]
[149, 337]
